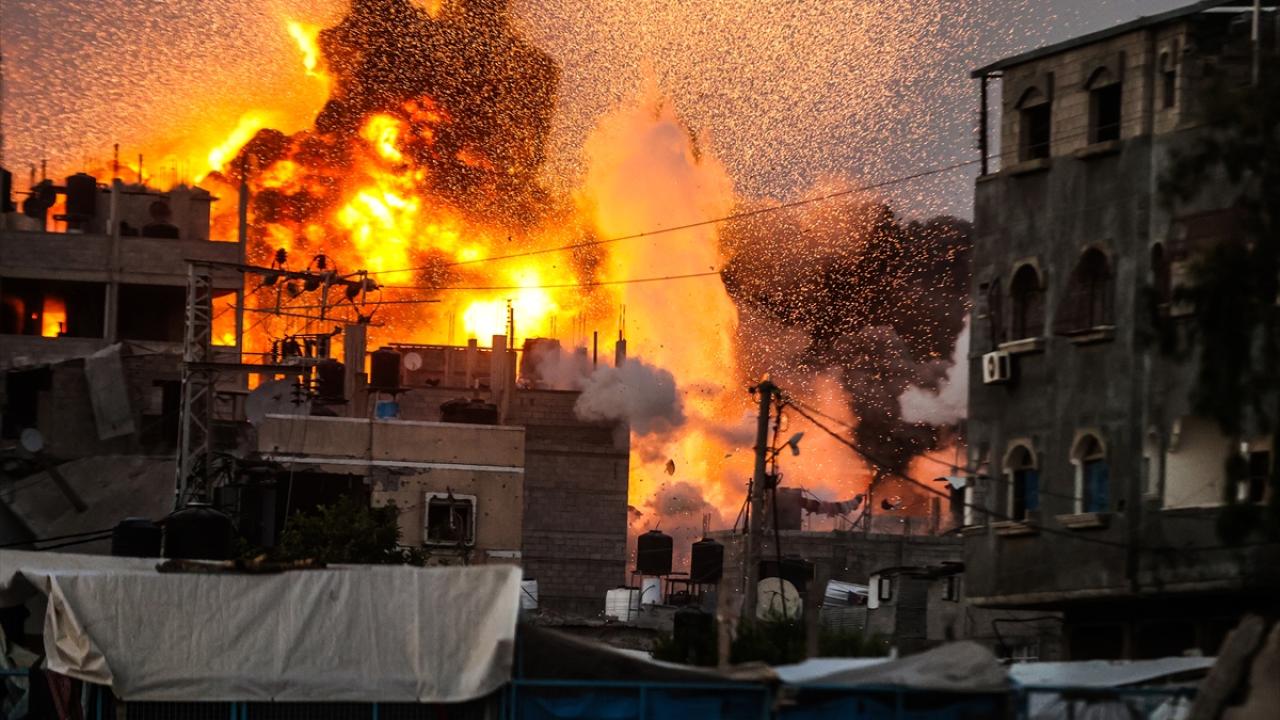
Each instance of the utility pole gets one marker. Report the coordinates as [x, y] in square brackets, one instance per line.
[759, 482]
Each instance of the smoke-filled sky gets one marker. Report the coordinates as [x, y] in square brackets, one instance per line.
[786, 93]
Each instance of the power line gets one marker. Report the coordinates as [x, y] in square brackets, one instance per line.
[701, 223]
[556, 286]
[800, 409]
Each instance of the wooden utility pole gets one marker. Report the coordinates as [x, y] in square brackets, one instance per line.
[759, 483]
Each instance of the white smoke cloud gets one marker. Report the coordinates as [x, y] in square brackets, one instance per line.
[644, 395]
[949, 403]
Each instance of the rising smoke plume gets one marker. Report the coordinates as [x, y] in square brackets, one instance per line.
[638, 393]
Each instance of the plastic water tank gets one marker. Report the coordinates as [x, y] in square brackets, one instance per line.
[331, 380]
[528, 594]
[384, 370]
[653, 553]
[622, 604]
[650, 591]
[82, 197]
[136, 537]
[198, 532]
[706, 562]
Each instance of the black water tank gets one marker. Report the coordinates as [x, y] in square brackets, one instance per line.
[198, 532]
[82, 197]
[384, 370]
[136, 537]
[653, 553]
[331, 379]
[795, 570]
[471, 412]
[706, 562]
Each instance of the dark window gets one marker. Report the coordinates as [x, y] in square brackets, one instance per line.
[1169, 76]
[151, 312]
[52, 308]
[1094, 476]
[1096, 642]
[1087, 304]
[1104, 113]
[1036, 118]
[450, 521]
[1025, 480]
[1028, 303]
[1254, 488]
[995, 313]
[1161, 275]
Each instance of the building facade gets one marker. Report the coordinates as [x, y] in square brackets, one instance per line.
[1096, 490]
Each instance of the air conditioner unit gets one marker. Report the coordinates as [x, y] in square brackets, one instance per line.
[997, 367]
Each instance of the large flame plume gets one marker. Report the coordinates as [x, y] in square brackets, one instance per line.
[420, 159]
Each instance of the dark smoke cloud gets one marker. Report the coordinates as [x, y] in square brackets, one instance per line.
[882, 299]
[476, 96]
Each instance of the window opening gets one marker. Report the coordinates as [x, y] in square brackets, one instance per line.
[1028, 303]
[450, 520]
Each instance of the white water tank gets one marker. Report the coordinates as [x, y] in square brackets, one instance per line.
[622, 604]
[528, 594]
[650, 591]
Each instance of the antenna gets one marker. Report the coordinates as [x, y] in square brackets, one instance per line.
[1, 107]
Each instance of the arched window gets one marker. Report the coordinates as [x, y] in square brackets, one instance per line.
[1087, 304]
[1024, 482]
[1093, 482]
[1104, 105]
[1027, 295]
[1035, 116]
[1161, 275]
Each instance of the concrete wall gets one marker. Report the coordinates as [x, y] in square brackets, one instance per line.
[576, 476]
[404, 460]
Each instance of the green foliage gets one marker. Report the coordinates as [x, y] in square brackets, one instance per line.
[348, 531]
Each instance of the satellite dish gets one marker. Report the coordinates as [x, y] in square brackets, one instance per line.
[777, 598]
[278, 397]
[32, 441]
[412, 361]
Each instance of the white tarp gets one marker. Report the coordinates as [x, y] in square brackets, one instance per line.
[346, 634]
[963, 666]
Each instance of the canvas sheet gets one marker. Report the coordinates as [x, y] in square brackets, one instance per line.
[346, 634]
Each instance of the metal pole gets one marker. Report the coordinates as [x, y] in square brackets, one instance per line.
[765, 390]
[1256, 36]
[243, 239]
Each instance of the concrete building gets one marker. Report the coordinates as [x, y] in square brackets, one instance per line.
[112, 267]
[1097, 489]
[459, 488]
[572, 509]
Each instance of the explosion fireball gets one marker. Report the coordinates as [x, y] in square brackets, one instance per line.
[427, 167]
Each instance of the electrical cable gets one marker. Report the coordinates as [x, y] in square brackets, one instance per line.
[888, 469]
[591, 283]
[701, 223]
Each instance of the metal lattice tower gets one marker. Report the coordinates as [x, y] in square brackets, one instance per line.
[195, 423]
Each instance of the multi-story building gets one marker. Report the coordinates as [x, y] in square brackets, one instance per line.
[85, 266]
[1097, 491]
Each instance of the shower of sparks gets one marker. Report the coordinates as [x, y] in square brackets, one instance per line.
[572, 119]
